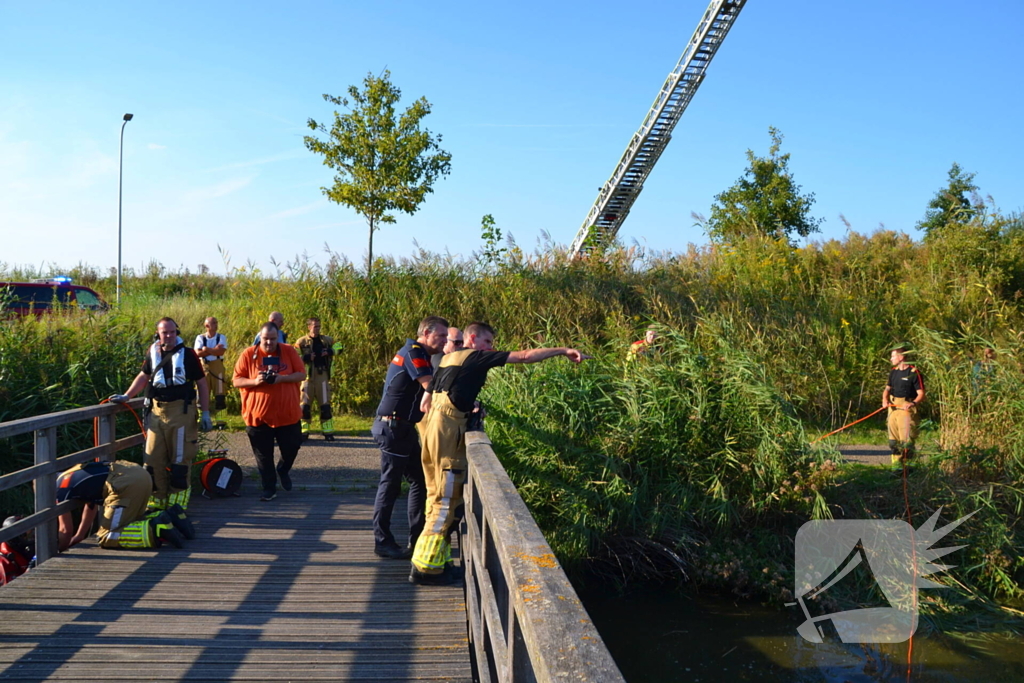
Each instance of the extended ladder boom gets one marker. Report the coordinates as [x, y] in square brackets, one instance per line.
[618, 194]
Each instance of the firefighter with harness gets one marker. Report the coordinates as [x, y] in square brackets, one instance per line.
[211, 347]
[317, 352]
[902, 395]
[174, 381]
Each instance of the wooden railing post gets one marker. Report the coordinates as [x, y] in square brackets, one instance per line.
[108, 434]
[45, 494]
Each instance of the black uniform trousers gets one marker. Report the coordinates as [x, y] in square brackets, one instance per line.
[262, 438]
[399, 459]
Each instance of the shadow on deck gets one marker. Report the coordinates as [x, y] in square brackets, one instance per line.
[288, 590]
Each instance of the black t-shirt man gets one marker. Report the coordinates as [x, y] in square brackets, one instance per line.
[905, 383]
[463, 373]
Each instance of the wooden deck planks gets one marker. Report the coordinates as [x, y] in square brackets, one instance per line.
[282, 591]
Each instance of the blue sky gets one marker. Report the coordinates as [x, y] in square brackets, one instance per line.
[535, 101]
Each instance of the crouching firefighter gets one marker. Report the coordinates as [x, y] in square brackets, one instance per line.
[172, 375]
[317, 351]
[122, 489]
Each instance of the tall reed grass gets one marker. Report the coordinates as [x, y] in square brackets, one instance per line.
[700, 451]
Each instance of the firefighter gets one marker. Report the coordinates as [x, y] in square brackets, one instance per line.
[123, 490]
[211, 348]
[317, 352]
[902, 395]
[447, 405]
[173, 377]
[642, 348]
[394, 430]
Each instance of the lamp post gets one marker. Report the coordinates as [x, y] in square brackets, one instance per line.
[120, 178]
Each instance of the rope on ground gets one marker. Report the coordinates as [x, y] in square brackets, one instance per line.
[849, 425]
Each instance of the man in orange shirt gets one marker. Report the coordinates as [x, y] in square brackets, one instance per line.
[268, 376]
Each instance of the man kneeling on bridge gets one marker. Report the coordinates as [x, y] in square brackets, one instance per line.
[447, 404]
[123, 489]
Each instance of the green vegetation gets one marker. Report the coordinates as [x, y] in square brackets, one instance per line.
[695, 458]
[765, 202]
[383, 163]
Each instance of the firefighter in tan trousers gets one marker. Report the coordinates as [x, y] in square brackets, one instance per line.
[122, 488]
[317, 352]
[175, 380]
[903, 393]
[447, 405]
[211, 348]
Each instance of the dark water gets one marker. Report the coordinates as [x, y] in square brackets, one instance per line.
[662, 635]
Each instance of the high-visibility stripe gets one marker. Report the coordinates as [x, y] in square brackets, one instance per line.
[430, 554]
[323, 389]
[445, 503]
[180, 498]
[115, 519]
[179, 445]
[136, 535]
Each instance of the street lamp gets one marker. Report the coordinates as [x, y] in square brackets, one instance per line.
[120, 178]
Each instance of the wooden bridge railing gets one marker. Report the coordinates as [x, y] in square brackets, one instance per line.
[48, 465]
[525, 621]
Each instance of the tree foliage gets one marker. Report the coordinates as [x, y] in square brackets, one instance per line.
[490, 233]
[955, 204]
[384, 162]
[765, 201]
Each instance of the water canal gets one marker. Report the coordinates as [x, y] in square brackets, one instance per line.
[665, 635]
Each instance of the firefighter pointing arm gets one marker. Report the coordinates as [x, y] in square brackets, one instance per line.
[448, 404]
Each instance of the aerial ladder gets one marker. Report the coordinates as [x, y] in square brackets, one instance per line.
[616, 196]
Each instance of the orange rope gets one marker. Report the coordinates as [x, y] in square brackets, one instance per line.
[96, 423]
[850, 425]
[913, 550]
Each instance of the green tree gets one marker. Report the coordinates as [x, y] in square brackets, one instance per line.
[490, 233]
[764, 201]
[955, 204]
[383, 162]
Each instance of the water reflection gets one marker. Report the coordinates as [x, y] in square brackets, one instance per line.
[662, 635]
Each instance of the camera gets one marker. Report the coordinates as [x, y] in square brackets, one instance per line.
[269, 371]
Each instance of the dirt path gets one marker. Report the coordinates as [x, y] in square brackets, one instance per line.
[866, 454]
[347, 463]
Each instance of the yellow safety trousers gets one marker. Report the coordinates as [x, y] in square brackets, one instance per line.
[902, 425]
[170, 440]
[443, 441]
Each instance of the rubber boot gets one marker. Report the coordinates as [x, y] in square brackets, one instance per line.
[181, 522]
[163, 530]
[328, 429]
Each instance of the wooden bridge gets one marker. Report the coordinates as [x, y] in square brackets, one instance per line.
[290, 590]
